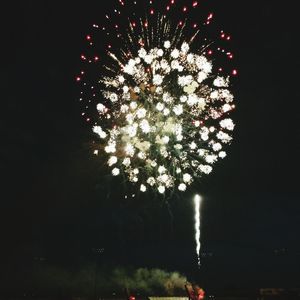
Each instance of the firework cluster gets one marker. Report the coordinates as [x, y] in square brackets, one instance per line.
[157, 93]
[168, 116]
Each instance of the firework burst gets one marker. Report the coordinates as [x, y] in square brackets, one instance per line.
[163, 101]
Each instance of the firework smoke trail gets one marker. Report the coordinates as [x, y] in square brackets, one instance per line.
[197, 203]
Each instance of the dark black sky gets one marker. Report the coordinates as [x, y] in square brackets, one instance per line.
[53, 198]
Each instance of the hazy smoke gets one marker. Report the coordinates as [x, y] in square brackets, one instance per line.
[105, 282]
[149, 281]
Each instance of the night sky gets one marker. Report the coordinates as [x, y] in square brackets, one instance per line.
[54, 201]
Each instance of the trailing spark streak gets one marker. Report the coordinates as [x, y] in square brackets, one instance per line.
[197, 203]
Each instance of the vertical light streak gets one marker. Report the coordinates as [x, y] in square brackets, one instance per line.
[197, 205]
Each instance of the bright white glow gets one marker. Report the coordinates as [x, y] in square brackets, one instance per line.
[221, 82]
[148, 59]
[129, 149]
[126, 161]
[175, 53]
[160, 52]
[190, 58]
[167, 44]
[193, 145]
[206, 169]
[124, 108]
[113, 97]
[160, 106]
[100, 132]
[131, 130]
[145, 126]
[217, 147]
[164, 178]
[165, 139]
[157, 79]
[142, 53]
[161, 189]
[178, 109]
[141, 113]
[151, 181]
[210, 159]
[226, 107]
[110, 148]
[143, 188]
[187, 178]
[182, 187]
[121, 79]
[222, 154]
[101, 108]
[166, 110]
[161, 169]
[133, 105]
[142, 155]
[115, 171]
[137, 89]
[185, 48]
[178, 146]
[197, 204]
[112, 160]
[227, 124]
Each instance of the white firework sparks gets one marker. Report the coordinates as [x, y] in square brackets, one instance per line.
[164, 117]
[160, 118]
